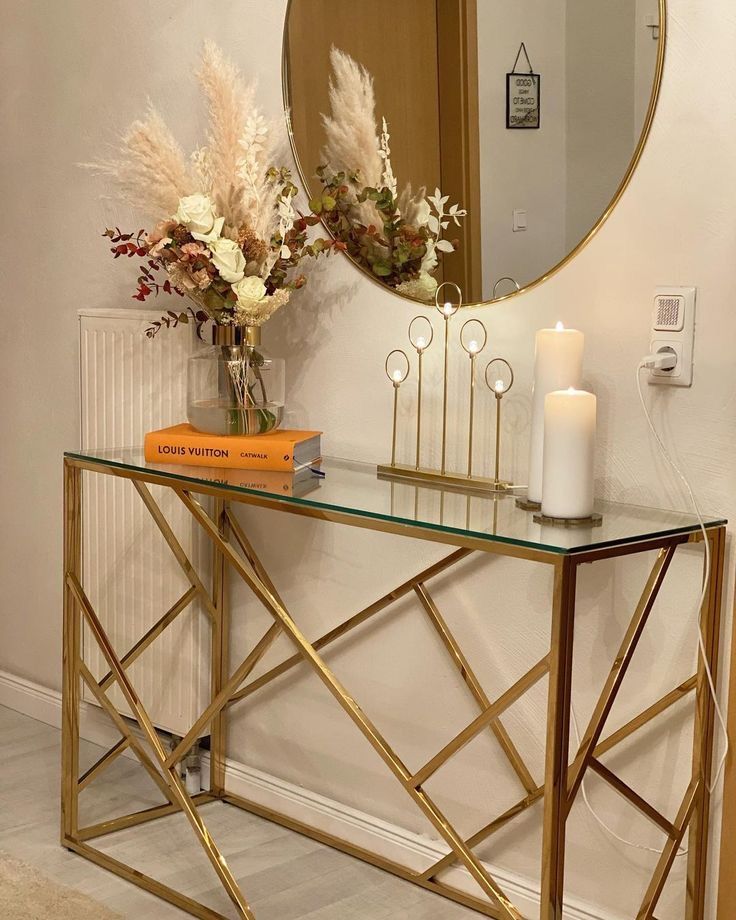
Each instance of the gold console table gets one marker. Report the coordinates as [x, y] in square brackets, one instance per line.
[351, 494]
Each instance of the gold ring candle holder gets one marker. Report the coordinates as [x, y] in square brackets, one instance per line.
[421, 343]
[473, 340]
[447, 310]
[397, 377]
[499, 387]
[473, 347]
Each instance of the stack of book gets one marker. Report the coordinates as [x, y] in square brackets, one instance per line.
[281, 462]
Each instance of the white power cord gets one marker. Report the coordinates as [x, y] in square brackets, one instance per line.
[606, 827]
[658, 361]
[666, 360]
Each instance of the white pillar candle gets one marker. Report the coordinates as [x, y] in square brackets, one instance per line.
[569, 453]
[558, 363]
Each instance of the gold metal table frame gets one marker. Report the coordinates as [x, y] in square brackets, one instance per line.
[563, 774]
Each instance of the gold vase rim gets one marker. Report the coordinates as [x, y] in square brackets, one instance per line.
[235, 335]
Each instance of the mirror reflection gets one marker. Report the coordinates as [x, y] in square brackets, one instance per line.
[475, 141]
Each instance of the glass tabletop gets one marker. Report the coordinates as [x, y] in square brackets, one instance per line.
[349, 487]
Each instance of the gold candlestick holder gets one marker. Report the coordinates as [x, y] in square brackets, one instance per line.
[447, 310]
[472, 347]
[495, 372]
[397, 376]
[421, 342]
[473, 340]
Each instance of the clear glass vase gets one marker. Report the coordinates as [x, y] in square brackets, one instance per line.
[234, 386]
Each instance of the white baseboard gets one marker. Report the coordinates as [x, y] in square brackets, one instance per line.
[357, 827]
[44, 704]
[387, 840]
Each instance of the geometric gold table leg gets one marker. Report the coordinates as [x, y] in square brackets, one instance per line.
[72, 651]
[703, 734]
[136, 744]
[611, 741]
[103, 762]
[473, 684]
[76, 604]
[558, 738]
[220, 658]
[345, 626]
[506, 909]
[175, 546]
[170, 774]
[618, 670]
[669, 852]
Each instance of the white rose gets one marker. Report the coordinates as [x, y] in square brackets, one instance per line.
[228, 259]
[249, 291]
[213, 234]
[196, 212]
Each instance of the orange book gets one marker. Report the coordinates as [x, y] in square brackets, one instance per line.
[282, 449]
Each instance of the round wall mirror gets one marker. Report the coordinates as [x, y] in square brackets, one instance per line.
[472, 141]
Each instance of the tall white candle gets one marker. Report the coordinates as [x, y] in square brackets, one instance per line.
[558, 363]
[569, 453]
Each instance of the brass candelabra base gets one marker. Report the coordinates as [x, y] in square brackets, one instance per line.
[460, 481]
[595, 520]
[527, 505]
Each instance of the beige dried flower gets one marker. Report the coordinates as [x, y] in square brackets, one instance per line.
[152, 172]
[254, 248]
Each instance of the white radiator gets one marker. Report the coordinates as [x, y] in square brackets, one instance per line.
[130, 385]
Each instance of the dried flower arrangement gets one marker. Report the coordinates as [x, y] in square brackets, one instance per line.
[231, 239]
[397, 236]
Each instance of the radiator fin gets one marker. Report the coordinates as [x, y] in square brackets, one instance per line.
[130, 385]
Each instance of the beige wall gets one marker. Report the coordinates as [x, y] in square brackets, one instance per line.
[597, 62]
[76, 72]
[646, 56]
[521, 168]
[601, 97]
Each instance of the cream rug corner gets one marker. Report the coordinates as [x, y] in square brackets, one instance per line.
[26, 894]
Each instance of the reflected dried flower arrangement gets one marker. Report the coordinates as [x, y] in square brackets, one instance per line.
[398, 236]
[227, 235]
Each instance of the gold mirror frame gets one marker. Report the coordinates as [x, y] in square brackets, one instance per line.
[646, 130]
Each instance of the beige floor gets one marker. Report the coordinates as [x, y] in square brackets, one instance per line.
[285, 876]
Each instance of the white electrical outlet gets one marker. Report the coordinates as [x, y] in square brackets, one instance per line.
[673, 326]
[519, 220]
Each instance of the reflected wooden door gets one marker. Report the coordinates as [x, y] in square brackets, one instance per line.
[423, 58]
